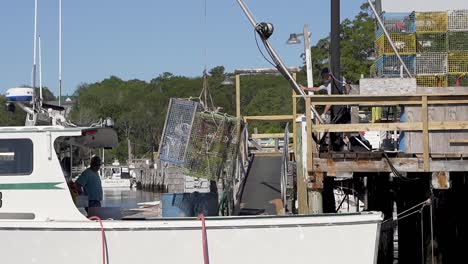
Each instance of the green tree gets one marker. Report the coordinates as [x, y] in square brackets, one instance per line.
[356, 47]
[217, 71]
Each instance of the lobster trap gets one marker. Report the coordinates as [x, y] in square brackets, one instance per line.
[458, 80]
[432, 80]
[458, 41]
[458, 20]
[397, 23]
[431, 42]
[404, 43]
[198, 141]
[458, 62]
[390, 65]
[431, 63]
[431, 22]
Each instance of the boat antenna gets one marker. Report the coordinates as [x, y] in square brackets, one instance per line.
[40, 71]
[34, 46]
[60, 53]
[265, 30]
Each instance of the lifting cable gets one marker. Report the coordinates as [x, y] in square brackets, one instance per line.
[105, 252]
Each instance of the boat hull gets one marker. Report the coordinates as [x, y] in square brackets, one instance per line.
[293, 239]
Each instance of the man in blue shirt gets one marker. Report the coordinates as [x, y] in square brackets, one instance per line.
[90, 181]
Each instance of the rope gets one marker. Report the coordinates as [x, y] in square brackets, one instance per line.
[206, 259]
[399, 217]
[103, 238]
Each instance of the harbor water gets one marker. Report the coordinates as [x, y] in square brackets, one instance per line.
[127, 198]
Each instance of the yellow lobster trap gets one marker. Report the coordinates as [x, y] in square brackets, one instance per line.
[431, 22]
[404, 43]
[432, 80]
[458, 62]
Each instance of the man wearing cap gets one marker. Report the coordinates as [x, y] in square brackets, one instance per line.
[327, 86]
[90, 182]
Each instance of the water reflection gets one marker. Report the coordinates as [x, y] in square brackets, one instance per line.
[127, 198]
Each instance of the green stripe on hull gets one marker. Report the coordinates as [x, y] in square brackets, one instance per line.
[31, 186]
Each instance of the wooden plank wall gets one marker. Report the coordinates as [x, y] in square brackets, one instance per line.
[439, 141]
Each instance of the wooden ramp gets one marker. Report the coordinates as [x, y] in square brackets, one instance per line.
[263, 185]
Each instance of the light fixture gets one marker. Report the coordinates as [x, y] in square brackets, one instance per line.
[293, 39]
[227, 81]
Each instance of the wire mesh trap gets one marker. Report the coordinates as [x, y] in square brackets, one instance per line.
[431, 63]
[458, 20]
[397, 23]
[404, 43]
[458, 62]
[432, 81]
[199, 142]
[458, 80]
[431, 42]
[431, 22]
[458, 41]
[390, 65]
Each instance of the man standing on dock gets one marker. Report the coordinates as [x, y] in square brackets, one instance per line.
[90, 182]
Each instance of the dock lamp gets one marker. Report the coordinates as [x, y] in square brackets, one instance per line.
[294, 39]
[227, 81]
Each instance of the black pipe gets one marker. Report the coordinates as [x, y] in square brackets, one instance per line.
[335, 39]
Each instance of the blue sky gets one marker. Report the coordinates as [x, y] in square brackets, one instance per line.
[141, 39]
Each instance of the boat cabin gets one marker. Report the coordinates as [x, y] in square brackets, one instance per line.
[33, 185]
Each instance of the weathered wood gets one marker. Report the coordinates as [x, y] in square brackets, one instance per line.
[380, 198]
[264, 70]
[381, 100]
[271, 135]
[425, 121]
[458, 141]
[401, 164]
[409, 194]
[238, 106]
[309, 134]
[269, 118]
[301, 184]
[407, 126]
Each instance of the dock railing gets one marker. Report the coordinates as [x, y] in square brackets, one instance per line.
[422, 100]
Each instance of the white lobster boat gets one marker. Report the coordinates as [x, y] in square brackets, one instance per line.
[39, 223]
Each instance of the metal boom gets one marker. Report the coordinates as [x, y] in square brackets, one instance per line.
[276, 59]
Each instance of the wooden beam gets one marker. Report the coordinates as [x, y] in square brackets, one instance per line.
[458, 141]
[415, 126]
[425, 133]
[309, 134]
[270, 135]
[238, 110]
[269, 118]
[401, 164]
[381, 100]
[264, 70]
[294, 116]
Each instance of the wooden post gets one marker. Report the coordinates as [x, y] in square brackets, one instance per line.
[294, 115]
[314, 189]
[238, 110]
[309, 134]
[425, 122]
[301, 184]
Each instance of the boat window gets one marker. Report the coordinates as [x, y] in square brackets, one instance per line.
[16, 157]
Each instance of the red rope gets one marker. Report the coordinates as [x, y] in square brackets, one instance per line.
[103, 237]
[206, 259]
